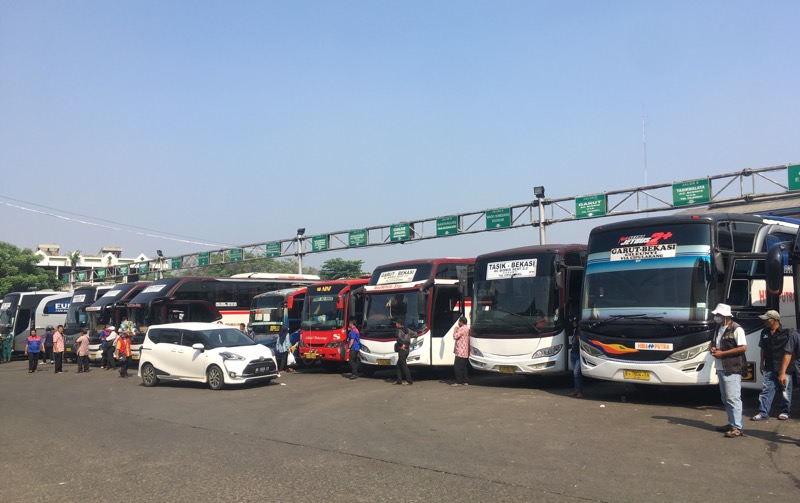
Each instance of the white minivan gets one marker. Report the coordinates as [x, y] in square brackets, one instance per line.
[203, 352]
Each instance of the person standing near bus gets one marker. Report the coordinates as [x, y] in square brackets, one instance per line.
[33, 345]
[47, 354]
[354, 346]
[461, 335]
[8, 342]
[58, 349]
[123, 352]
[773, 344]
[402, 347]
[111, 347]
[283, 345]
[728, 348]
[82, 350]
[575, 359]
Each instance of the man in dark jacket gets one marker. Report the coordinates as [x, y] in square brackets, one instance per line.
[773, 345]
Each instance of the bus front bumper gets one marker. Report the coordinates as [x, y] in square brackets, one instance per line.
[673, 373]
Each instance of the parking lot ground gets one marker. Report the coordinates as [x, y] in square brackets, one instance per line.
[315, 435]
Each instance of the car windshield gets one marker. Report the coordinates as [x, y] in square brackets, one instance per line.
[227, 338]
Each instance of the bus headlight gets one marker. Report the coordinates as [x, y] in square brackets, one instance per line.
[547, 352]
[416, 345]
[364, 349]
[475, 351]
[333, 344]
[590, 350]
[689, 353]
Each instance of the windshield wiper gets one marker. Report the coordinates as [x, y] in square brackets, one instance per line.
[617, 317]
[527, 322]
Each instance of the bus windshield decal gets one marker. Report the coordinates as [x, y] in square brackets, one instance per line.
[644, 252]
[5, 305]
[153, 288]
[397, 276]
[112, 293]
[643, 239]
[79, 298]
[322, 299]
[525, 268]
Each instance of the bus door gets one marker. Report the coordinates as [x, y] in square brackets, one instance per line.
[446, 308]
[355, 305]
[572, 306]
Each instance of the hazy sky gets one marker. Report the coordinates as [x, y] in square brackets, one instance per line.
[227, 123]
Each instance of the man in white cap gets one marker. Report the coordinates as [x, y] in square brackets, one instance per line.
[110, 347]
[728, 347]
[773, 348]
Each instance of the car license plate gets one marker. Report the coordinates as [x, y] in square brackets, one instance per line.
[507, 369]
[261, 370]
[69, 350]
[311, 355]
[384, 361]
[638, 375]
[135, 356]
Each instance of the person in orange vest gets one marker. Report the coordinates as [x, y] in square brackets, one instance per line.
[123, 352]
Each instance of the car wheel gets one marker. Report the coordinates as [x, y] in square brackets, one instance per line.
[149, 377]
[215, 377]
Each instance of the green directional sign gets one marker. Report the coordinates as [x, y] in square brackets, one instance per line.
[590, 206]
[101, 274]
[65, 277]
[273, 249]
[357, 238]
[235, 254]
[319, 243]
[400, 232]
[203, 258]
[176, 262]
[143, 267]
[446, 226]
[499, 218]
[81, 275]
[691, 192]
[794, 176]
[123, 270]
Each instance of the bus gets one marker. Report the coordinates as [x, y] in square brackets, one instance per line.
[111, 309]
[77, 319]
[17, 313]
[323, 330]
[522, 301]
[425, 295]
[269, 311]
[204, 299]
[651, 284]
[52, 311]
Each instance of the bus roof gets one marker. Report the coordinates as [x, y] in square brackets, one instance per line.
[118, 292]
[709, 218]
[533, 249]
[280, 293]
[448, 260]
[275, 275]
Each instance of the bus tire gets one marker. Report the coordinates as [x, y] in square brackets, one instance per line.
[215, 378]
[149, 377]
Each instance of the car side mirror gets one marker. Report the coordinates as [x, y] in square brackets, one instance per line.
[198, 346]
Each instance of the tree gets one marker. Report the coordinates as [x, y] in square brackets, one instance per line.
[19, 273]
[336, 268]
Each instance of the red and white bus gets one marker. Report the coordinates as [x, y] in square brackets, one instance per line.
[323, 330]
[425, 295]
[203, 299]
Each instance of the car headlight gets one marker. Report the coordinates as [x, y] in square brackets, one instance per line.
[416, 345]
[227, 355]
[475, 352]
[689, 353]
[590, 350]
[551, 351]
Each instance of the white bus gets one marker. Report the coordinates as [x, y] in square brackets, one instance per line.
[522, 300]
[651, 284]
[17, 312]
[425, 296]
[52, 311]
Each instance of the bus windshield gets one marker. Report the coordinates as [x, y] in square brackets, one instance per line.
[323, 312]
[516, 305]
[7, 310]
[383, 308]
[267, 312]
[647, 273]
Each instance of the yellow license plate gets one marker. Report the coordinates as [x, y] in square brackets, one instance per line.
[384, 361]
[69, 350]
[311, 356]
[638, 375]
[507, 369]
[135, 356]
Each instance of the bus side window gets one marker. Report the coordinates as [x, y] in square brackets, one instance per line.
[739, 293]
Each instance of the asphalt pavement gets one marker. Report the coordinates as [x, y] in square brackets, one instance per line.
[318, 436]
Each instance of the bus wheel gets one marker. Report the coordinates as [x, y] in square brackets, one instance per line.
[149, 377]
[216, 380]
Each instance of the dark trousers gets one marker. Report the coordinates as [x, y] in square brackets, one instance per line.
[83, 363]
[33, 361]
[59, 359]
[354, 362]
[282, 360]
[47, 354]
[123, 365]
[460, 369]
[108, 357]
[403, 373]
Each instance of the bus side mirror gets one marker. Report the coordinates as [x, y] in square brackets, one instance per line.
[290, 302]
[774, 267]
[719, 264]
[339, 302]
[559, 277]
